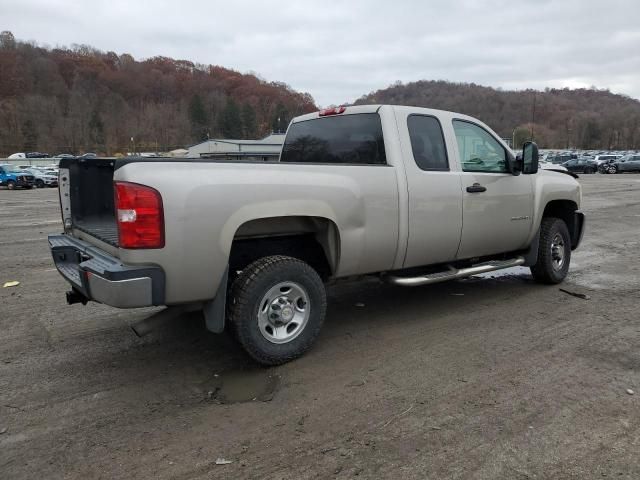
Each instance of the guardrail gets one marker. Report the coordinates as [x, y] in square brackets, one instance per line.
[35, 162]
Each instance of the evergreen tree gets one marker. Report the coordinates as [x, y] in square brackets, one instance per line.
[30, 136]
[198, 118]
[249, 121]
[230, 121]
[96, 132]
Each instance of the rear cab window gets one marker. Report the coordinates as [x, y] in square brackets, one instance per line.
[427, 143]
[354, 139]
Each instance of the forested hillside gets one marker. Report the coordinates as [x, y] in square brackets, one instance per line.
[80, 99]
[581, 118]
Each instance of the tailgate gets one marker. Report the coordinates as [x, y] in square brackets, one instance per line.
[90, 194]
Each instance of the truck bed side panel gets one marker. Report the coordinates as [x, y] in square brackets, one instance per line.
[205, 204]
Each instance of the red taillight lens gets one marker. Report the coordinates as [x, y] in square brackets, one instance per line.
[139, 215]
[332, 111]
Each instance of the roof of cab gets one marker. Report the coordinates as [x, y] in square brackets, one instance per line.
[355, 109]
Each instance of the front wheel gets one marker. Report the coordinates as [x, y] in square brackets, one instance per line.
[554, 252]
[276, 308]
[11, 185]
[613, 169]
[39, 183]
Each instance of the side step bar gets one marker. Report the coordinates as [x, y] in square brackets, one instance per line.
[453, 273]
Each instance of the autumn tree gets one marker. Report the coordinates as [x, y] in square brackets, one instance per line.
[7, 40]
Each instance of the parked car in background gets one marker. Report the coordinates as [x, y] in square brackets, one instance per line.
[600, 159]
[44, 178]
[12, 177]
[581, 165]
[552, 166]
[603, 167]
[561, 158]
[16, 156]
[37, 155]
[628, 163]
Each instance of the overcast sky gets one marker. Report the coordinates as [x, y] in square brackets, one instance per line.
[340, 50]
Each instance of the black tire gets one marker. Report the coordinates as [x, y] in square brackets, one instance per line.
[613, 169]
[28, 187]
[249, 298]
[11, 185]
[39, 184]
[548, 268]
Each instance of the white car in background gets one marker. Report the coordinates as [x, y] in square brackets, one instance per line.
[43, 178]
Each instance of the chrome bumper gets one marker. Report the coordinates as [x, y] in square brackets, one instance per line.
[98, 276]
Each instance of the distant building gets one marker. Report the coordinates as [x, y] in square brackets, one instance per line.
[270, 146]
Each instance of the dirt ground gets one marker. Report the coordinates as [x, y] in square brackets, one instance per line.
[492, 377]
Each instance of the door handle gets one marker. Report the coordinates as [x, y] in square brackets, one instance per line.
[476, 188]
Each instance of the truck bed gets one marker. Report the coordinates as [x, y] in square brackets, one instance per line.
[91, 195]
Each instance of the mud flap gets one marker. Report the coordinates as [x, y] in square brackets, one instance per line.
[531, 255]
[214, 310]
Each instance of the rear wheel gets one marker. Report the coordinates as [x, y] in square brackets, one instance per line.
[554, 252]
[276, 308]
[11, 185]
[40, 183]
[612, 169]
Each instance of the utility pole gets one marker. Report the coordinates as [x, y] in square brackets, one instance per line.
[533, 115]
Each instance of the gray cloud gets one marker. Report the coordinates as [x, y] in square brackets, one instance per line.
[340, 50]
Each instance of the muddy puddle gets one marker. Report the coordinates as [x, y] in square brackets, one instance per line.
[246, 385]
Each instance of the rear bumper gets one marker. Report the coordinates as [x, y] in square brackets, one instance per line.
[105, 279]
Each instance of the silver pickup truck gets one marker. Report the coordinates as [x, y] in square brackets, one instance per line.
[411, 195]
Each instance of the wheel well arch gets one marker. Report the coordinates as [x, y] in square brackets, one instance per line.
[565, 210]
[314, 240]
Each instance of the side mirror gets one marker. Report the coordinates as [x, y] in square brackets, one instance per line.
[530, 158]
[516, 164]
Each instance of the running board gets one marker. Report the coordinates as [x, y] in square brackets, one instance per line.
[453, 273]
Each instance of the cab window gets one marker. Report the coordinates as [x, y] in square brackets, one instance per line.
[427, 143]
[479, 150]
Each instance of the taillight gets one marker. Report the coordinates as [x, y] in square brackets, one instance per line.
[139, 215]
[332, 111]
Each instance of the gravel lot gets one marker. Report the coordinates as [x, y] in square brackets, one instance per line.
[492, 377]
